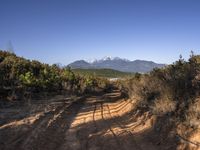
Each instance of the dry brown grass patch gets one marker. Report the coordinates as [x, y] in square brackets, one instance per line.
[163, 106]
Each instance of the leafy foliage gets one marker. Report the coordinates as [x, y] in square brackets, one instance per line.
[19, 73]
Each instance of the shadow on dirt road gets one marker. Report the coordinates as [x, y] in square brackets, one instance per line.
[103, 122]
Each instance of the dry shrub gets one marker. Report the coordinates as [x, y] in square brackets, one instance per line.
[193, 114]
[163, 106]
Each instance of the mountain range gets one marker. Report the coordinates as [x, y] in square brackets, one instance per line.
[117, 63]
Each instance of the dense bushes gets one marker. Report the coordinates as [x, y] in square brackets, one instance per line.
[170, 90]
[19, 75]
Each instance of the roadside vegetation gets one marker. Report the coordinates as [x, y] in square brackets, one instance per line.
[20, 77]
[171, 93]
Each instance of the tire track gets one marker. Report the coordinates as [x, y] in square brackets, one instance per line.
[124, 129]
[130, 117]
[95, 134]
[110, 128]
[100, 127]
[95, 130]
[83, 134]
[129, 129]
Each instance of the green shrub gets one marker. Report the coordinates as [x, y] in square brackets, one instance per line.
[17, 73]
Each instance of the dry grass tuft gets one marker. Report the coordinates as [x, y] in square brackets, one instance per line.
[193, 114]
[163, 106]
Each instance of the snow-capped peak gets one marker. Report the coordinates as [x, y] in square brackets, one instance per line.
[106, 58]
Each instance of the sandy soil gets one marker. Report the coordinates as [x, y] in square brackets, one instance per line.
[105, 122]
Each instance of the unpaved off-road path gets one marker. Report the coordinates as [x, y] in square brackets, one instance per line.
[104, 122]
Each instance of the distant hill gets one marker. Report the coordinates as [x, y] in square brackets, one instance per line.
[117, 63]
[108, 73]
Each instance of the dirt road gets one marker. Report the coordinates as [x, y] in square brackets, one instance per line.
[104, 122]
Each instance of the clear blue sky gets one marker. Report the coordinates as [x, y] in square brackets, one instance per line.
[62, 31]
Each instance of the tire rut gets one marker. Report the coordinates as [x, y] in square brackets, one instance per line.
[95, 130]
[129, 131]
[124, 129]
[87, 124]
[110, 128]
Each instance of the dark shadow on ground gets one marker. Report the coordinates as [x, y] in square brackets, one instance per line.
[105, 134]
[48, 138]
[160, 136]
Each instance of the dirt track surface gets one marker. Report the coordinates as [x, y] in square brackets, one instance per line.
[104, 122]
